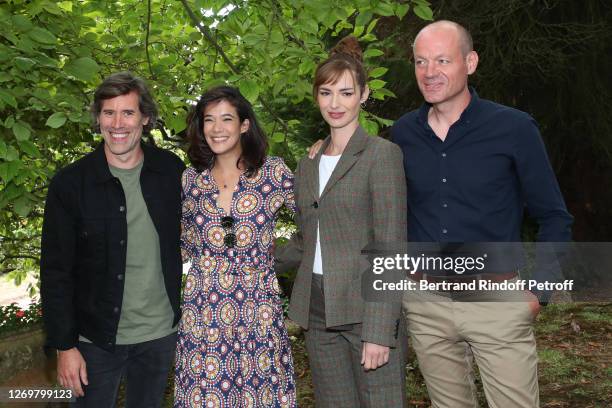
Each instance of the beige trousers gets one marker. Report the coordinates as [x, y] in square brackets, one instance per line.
[448, 334]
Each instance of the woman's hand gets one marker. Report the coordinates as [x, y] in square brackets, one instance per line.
[374, 356]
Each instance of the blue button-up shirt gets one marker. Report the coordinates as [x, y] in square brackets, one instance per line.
[474, 185]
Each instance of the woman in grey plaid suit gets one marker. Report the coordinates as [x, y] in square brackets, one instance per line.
[352, 193]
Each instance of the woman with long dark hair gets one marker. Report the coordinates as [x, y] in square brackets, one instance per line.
[233, 349]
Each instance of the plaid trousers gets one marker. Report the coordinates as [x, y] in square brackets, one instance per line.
[335, 361]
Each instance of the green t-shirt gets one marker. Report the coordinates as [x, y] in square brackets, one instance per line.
[146, 313]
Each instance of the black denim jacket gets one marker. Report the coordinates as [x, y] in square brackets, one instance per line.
[84, 244]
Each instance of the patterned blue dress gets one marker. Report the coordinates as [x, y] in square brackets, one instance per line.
[233, 349]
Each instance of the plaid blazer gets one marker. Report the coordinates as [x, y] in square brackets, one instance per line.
[364, 201]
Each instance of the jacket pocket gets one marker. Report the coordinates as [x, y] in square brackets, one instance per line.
[91, 238]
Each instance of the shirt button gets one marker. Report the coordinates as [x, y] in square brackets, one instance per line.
[443, 154]
[120, 277]
[444, 205]
[122, 208]
[444, 180]
[115, 309]
[122, 242]
[444, 231]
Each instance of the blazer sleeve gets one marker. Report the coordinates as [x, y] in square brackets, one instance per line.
[389, 211]
[57, 279]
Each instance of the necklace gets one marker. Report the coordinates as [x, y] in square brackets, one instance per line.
[221, 182]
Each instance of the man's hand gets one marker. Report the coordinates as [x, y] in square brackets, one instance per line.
[314, 149]
[374, 356]
[534, 304]
[71, 370]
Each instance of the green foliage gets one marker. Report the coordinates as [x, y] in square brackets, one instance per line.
[53, 54]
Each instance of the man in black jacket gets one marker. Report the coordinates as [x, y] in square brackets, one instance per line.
[110, 265]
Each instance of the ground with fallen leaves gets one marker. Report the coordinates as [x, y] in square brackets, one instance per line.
[575, 367]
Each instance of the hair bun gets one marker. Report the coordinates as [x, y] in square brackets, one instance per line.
[348, 46]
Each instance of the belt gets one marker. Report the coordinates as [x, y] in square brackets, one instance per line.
[493, 277]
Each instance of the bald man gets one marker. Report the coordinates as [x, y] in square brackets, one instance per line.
[472, 166]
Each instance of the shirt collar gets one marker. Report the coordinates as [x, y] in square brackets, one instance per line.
[465, 115]
[103, 174]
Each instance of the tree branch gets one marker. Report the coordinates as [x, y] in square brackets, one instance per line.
[174, 138]
[147, 38]
[207, 34]
[285, 27]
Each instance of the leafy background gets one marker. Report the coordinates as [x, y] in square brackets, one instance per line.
[550, 58]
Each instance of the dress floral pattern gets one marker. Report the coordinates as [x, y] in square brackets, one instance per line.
[233, 349]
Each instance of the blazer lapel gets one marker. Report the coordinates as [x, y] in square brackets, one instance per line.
[355, 146]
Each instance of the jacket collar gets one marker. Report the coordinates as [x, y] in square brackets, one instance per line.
[356, 144]
[103, 174]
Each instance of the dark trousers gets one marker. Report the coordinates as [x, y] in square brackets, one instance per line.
[145, 367]
[335, 362]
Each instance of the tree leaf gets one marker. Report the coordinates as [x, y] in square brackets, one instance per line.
[369, 126]
[2, 150]
[21, 131]
[385, 92]
[11, 154]
[378, 72]
[401, 10]
[371, 25]
[8, 170]
[249, 89]
[8, 98]
[363, 18]
[21, 23]
[376, 84]
[9, 122]
[65, 5]
[42, 36]
[384, 9]
[423, 12]
[372, 52]
[56, 120]
[177, 123]
[22, 206]
[29, 148]
[278, 137]
[24, 64]
[83, 68]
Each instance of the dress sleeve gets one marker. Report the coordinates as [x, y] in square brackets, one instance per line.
[189, 232]
[289, 256]
[287, 183]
